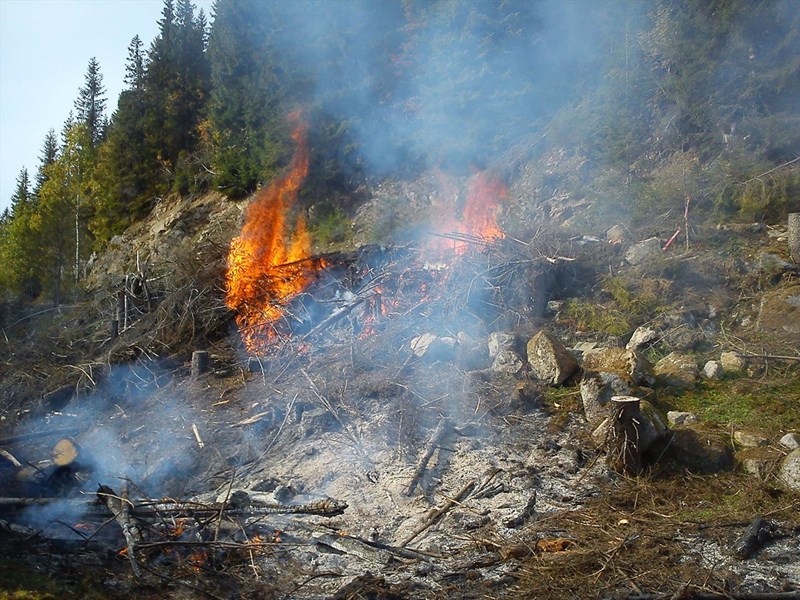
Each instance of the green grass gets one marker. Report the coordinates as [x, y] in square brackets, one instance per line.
[767, 406]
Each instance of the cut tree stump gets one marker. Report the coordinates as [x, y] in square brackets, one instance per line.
[793, 228]
[622, 442]
[199, 362]
[65, 452]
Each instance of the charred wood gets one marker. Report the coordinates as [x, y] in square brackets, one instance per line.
[758, 533]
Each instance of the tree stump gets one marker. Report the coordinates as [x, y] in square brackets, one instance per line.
[622, 441]
[199, 362]
[793, 228]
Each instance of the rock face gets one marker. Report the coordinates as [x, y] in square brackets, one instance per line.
[790, 470]
[677, 370]
[644, 251]
[626, 363]
[700, 451]
[550, 361]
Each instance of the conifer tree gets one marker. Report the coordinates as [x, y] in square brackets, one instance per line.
[46, 158]
[90, 104]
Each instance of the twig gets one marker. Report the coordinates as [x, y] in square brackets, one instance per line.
[197, 436]
[438, 513]
[442, 430]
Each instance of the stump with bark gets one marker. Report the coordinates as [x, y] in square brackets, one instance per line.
[793, 228]
[623, 453]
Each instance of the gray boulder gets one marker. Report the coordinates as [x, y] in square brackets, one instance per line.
[790, 470]
[643, 251]
[549, 360]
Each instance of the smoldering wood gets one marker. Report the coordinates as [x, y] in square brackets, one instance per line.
[443, 429]
[436, 514]
[758, 533]
[65, 452]
[622, 441]
[200, 362]
[119, 506]
[793, 230]
[10, 458]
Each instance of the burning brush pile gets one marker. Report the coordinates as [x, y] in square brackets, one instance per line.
[371, 429]
[282, 294]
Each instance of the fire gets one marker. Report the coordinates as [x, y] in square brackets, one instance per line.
[266, 263]
[476, 215]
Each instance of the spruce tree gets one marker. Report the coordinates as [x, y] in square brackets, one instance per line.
[90, 104]
[46, 158]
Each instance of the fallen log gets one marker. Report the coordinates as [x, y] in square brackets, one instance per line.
[758, 533]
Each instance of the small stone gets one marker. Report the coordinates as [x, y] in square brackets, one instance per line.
[791, 441]
[500, 340]
[790, 470]
[640, 337]
[550, 361]
[749, 440]
[713, 370]
[616, 235]
[643, 251]
[731, 362]
[554, 306]
[677, 370]
[597, 389]
[507, 361]
[677, 417]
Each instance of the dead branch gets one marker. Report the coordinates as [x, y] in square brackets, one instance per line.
[436, 514]
[24, 437]
[444, 428]
[120, 508]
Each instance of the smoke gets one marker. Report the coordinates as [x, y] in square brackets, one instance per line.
[444, 83]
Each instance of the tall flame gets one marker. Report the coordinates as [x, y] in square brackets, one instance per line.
[265, 263]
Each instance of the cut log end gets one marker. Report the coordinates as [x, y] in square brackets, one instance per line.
[65, 452]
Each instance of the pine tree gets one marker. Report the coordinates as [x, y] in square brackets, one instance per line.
[90, 104]
[46, 158]
[135, 66]
[21, 197]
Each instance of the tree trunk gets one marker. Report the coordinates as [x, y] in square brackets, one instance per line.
[622, 442]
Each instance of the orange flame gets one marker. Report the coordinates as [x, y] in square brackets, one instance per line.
[485, 193]
[266, 266]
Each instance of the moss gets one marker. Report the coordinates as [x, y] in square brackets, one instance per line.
[767, 406]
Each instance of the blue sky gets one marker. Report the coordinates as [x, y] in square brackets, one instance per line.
[45, 47]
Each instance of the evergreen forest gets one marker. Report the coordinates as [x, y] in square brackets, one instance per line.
[660, 99]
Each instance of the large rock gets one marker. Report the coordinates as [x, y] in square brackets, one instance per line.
[597, 390]
[791, 441]
[550, 361]
[700, 451]
[790, 470]
[677, 370]
[626, 363]
[644, 251]
[433, 348]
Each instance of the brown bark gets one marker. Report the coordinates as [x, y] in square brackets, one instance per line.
[622, 442]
